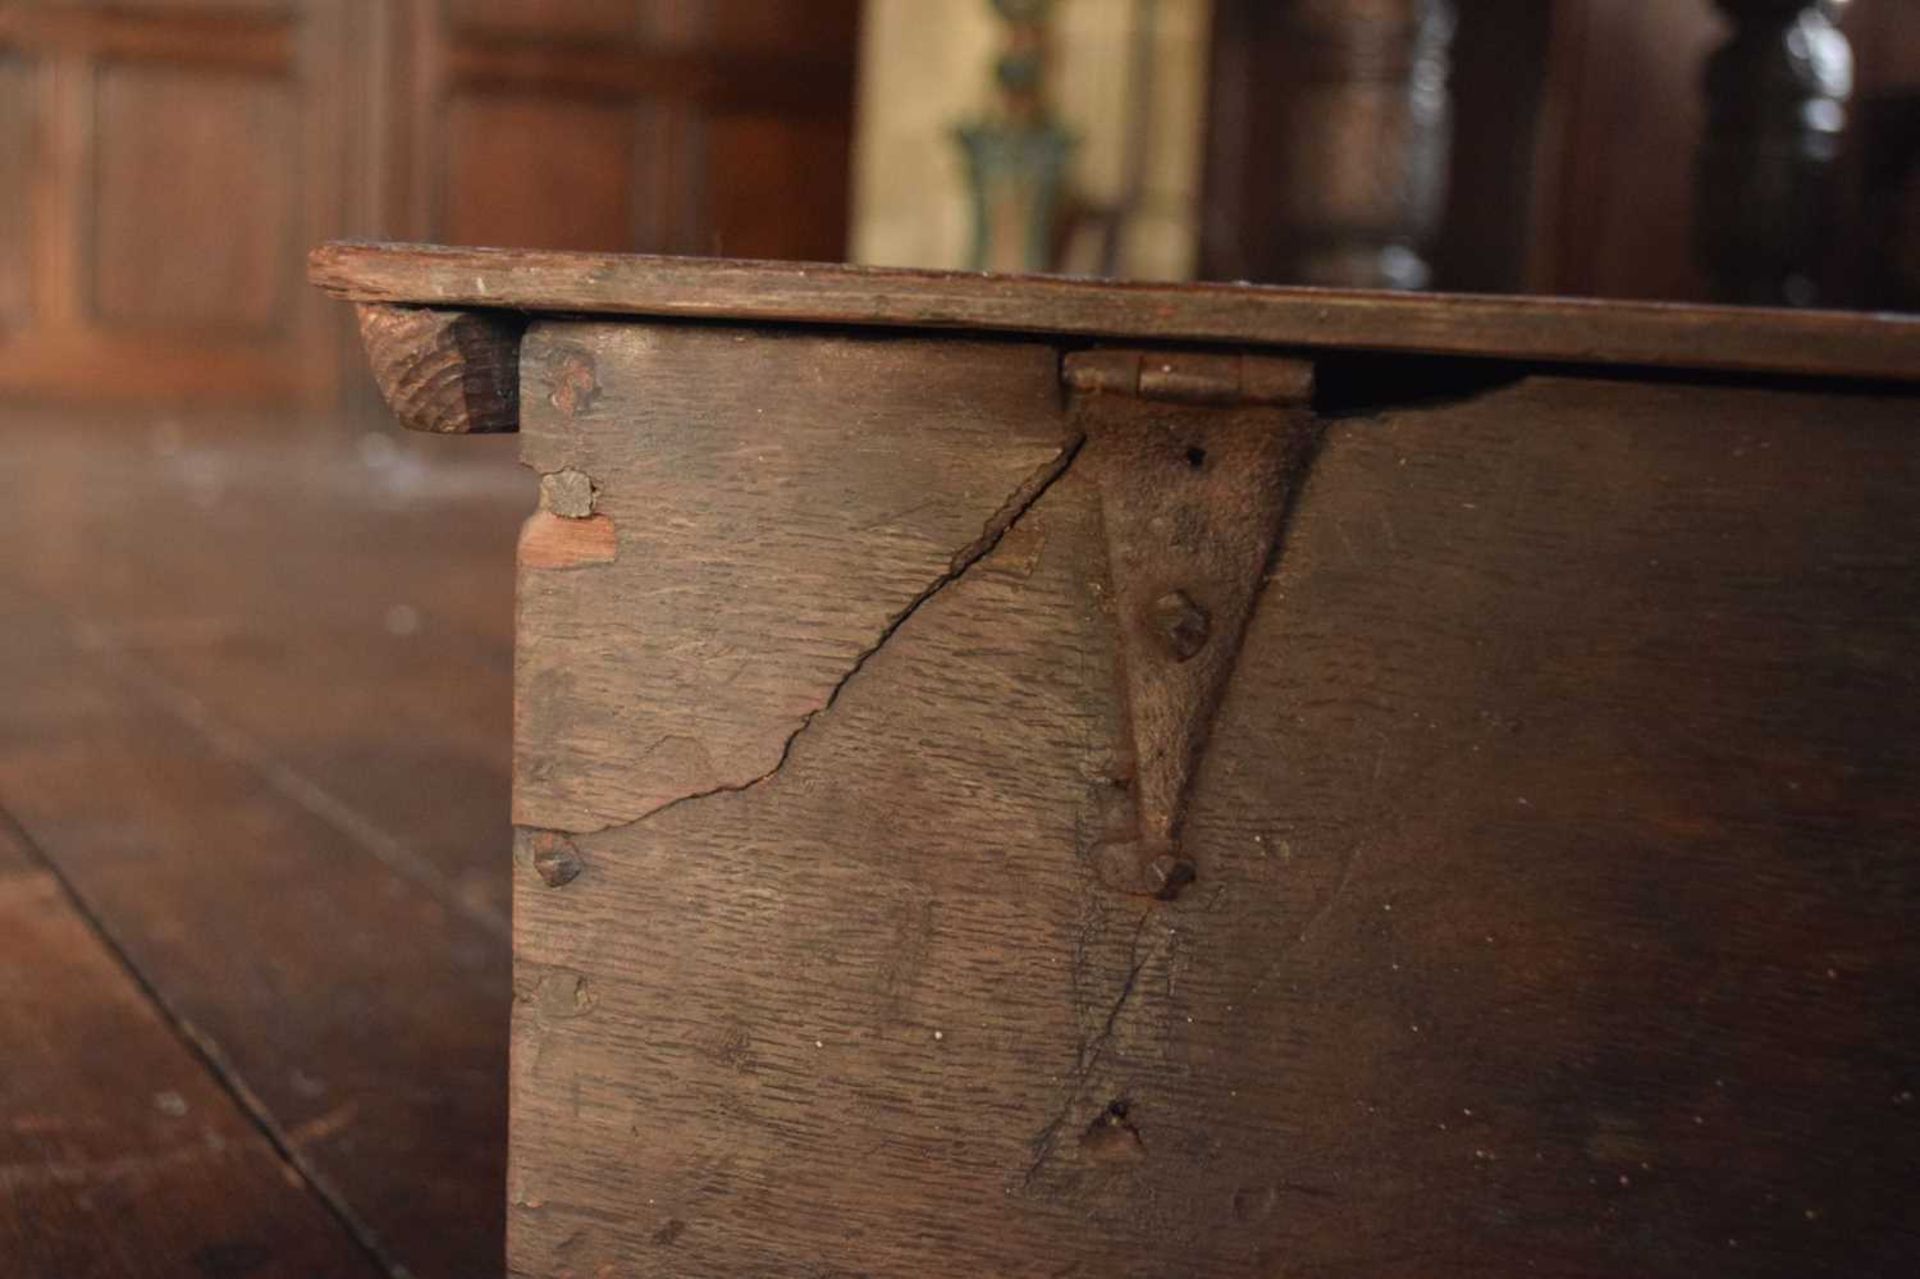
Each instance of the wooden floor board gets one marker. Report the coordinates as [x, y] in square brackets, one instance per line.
[121, 1153]
[345, 602]
[254, 710]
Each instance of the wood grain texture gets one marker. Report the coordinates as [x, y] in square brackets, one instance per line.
[120, 1154]
[1568, 796]
[1555, 842]
[1557, 329]
[446, 372]
[774, 544]
[874, 1029]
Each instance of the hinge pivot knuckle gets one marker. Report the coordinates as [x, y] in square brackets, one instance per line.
[1206, 378]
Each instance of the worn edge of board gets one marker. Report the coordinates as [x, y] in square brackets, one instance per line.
[445, 371]
[1565, 330]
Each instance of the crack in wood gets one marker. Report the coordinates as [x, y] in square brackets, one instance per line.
[220, 1068]
[1002, 522]
[1088, 1056]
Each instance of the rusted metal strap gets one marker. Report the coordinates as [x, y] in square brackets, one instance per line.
[1195, 456]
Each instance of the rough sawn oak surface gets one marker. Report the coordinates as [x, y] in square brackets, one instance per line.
[1554, 836]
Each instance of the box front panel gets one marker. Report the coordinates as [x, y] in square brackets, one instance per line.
[1550, 840]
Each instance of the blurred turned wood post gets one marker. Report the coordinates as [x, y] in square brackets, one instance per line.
[1776, 109]
[1017, 155]
[1329, 140]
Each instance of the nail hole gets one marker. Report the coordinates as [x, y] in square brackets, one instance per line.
[1112, 1137]
[1196, 457]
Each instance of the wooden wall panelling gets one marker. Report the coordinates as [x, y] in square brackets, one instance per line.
[764, 195]
[59, 77]
[666, 126]
[181, 155]
[19, 123]
[526, 168]
[1577, 139]
[1614, 205]
[167, 163]
[537, 19]
[195, 179]
[216, 9]
[1228, 229]
[824, 31]
[336, 69]
[777, 136]
[1886, 52]
[369, 150]
[1499, 83]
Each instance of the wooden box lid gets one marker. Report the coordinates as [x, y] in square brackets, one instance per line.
[1559, 330]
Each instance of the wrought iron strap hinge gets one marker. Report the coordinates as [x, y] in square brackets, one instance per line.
[1195, 456]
